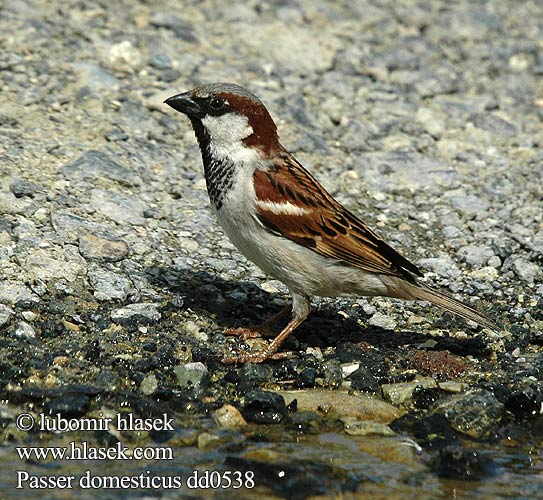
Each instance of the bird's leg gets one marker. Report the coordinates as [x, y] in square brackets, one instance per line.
[265, 329]
[300, 310]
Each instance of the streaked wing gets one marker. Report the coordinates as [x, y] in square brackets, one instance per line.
[291, 202]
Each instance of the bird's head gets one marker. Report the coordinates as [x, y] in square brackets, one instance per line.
[229, 121]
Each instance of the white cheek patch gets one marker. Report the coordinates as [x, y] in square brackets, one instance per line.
[227, 133]
[227, 128]
[283, 208]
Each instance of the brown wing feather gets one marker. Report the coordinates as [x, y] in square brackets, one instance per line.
[327, 227]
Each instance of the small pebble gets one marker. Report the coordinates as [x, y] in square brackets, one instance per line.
[24, 330]
[149, 385]
[228, 416]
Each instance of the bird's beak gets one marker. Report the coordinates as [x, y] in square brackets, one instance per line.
[185, 104]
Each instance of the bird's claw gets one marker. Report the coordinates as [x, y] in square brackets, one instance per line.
[244, 333]
[256, 357]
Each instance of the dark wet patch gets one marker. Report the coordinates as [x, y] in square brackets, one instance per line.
[526, 402]
[456, 462]
[432, 431]
[299, 480]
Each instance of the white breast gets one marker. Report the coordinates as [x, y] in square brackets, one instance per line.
[300, 268]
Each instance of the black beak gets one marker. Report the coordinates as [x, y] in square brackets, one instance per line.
[185, 104]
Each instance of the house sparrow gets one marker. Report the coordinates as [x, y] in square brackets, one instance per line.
[279, 216]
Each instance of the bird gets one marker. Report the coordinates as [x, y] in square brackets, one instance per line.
[283, 220]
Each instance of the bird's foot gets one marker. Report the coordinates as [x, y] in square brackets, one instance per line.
[269, 352]
[246, 333]
[256, 357]
[265, 329]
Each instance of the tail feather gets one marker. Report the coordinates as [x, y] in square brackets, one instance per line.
[421, 291]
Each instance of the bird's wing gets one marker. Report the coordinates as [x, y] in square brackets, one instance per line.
[292, 203]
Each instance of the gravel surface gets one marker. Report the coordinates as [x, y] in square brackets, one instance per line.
[116, 283]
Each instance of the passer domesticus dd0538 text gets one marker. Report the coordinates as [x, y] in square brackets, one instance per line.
[279, 216]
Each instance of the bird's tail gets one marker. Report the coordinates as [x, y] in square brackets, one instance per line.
[421, 291]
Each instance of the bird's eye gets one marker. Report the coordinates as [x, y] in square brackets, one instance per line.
[216, 104]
